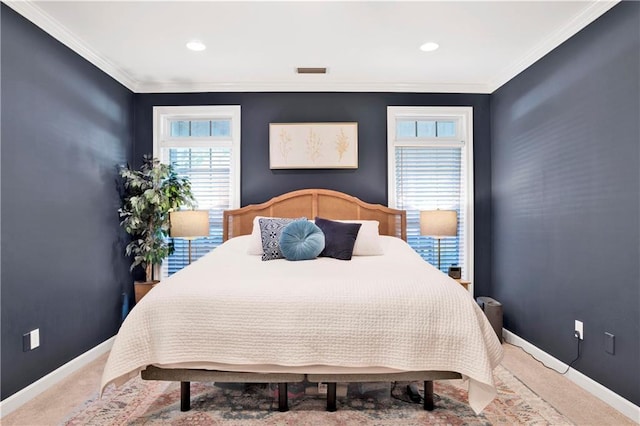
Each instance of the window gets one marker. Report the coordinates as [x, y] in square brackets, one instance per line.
[430, 155]
[203, 143]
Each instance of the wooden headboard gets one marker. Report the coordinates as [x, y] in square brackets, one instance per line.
[310, 203]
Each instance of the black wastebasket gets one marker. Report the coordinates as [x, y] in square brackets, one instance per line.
[493, 311]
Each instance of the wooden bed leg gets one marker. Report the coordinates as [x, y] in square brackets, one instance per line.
[185, 396]
[428, 395]
[331, 397]
[283, 404]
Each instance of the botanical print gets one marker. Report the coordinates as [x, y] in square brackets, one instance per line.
[313, 145]
[342, 144]
[285, 144]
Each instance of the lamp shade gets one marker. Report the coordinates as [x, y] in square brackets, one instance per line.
[189, 223]
[439, 223]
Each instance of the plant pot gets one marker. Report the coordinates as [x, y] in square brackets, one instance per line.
[143, 287]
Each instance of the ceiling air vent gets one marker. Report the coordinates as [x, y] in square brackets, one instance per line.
[301, 70]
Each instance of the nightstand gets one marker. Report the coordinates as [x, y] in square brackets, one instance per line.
[463, 283]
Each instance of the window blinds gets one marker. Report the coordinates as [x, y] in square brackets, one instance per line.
[429, 178]
[209, 170]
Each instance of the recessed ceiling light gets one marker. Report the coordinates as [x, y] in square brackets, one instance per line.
[196, 45]
[429, 47]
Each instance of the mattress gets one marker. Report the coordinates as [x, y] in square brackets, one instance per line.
[386, 313]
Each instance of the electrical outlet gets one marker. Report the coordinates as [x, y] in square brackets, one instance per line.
[35, 338]
[322, 388]
[579, 329]
[31, 340]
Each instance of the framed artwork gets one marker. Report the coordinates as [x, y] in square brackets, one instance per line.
[313, 145]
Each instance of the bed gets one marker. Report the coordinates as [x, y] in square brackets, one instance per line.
[231, 317]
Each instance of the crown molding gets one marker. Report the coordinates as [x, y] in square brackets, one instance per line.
[37, 16]
[169, 87]
[40, 18]
[555, 39]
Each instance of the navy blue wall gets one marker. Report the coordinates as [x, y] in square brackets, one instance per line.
[65, 126]
[566, 209]
[369, 181]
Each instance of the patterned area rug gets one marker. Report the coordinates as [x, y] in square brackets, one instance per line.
[140, 402]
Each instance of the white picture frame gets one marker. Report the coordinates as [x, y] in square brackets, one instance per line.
[313, 145]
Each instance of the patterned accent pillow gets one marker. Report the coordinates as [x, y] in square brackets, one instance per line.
[270, 231]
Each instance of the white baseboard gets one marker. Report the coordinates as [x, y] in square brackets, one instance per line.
[621, 404]
[22, 396]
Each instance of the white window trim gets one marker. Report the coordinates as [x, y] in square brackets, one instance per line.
[464, 118]
[163, 114]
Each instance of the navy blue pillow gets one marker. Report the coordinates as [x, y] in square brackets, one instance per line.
[301, 240]
[339, 238]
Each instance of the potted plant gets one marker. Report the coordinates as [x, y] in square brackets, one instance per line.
[149, 194]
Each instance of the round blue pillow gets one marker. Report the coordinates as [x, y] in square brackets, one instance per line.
[301, 240]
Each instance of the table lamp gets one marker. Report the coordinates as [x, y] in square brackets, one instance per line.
[189, 224]
[439, 224]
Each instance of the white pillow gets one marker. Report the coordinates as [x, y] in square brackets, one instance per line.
[368, 240]
[255, 243]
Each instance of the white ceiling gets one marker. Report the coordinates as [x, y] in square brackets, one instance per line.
[366, 45]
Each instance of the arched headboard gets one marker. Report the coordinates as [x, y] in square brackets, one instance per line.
[310, 203]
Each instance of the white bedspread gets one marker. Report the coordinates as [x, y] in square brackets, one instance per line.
[394, 311]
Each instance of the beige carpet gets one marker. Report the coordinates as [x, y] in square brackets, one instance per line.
[581, 408]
